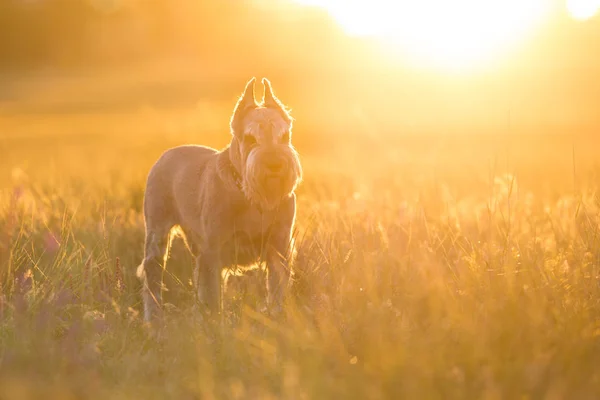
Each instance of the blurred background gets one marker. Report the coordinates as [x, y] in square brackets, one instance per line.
[59, 56]
[373, 71]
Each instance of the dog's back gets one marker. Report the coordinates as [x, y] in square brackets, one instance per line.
[177, 168]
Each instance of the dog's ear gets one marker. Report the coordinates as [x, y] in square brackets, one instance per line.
[245, 102]
[269, 100]
[273, 102]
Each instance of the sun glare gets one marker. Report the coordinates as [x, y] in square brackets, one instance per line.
[583, 9]
[459, 33]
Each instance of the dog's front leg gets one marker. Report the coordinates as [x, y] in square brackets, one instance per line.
[208, 282]
[278, 277]
[279, 256]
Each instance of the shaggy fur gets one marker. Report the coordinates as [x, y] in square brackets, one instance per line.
[235, 207]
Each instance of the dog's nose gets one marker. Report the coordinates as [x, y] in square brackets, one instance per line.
[274, 166]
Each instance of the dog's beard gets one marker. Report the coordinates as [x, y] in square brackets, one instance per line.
[266, 190]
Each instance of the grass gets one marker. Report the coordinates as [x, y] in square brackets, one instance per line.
[435, 267]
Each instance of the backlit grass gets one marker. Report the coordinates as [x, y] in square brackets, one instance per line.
[438, 267]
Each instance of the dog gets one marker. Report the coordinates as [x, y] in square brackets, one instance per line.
[235, 207]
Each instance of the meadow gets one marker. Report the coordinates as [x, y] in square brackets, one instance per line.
[433, 266]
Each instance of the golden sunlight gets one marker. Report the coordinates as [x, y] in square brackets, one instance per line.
[583, 9]
[460, 33]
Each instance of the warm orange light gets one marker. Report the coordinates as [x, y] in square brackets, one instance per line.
[458, 33]
[583, 9]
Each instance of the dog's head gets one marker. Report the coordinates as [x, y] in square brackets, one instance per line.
[262, 147]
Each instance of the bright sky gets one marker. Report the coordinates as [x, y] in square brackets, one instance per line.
[448, 33]
[583, 9]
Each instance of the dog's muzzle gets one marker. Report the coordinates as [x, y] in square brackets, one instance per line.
[271, 174]
[275, 165]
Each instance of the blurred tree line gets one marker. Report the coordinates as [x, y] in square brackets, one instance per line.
[79, 33]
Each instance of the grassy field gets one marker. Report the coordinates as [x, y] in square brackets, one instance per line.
[429, 267]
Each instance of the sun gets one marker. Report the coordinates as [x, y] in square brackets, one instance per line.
[583, 9]
[457, 33]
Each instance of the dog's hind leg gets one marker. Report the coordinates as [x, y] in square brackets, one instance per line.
[151, 270]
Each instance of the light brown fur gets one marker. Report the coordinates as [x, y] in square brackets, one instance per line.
[226, 221]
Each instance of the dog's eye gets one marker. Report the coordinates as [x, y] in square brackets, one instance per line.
[249, 140]
[286, 137]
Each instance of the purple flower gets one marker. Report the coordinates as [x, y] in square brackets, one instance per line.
[18, 192]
